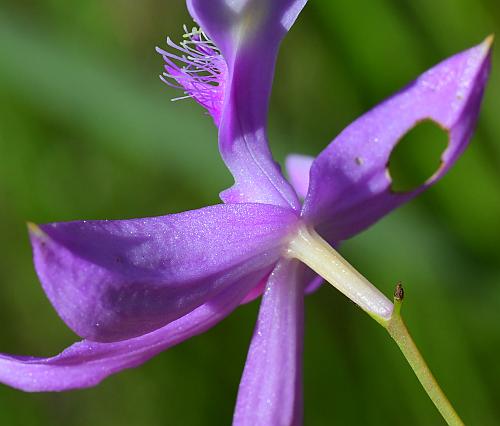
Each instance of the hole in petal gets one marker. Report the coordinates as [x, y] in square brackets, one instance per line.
[417, 156]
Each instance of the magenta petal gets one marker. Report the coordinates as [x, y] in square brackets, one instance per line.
[86, 363]
[248, 34]
[270, 391]
[350, 187]
[111, 280]
[197, 67]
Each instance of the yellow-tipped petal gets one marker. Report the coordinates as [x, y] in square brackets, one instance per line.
[34, 229]
[488, 41]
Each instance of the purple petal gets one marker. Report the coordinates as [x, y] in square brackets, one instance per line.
[86, 363]
[270, 391]
[248, 33]
[314, 284]
[111, 280]
[256, 292]
[350, 187]
[298, 168]
[313, 280]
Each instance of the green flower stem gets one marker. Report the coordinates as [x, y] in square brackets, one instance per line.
[399, 332]
[308, 247]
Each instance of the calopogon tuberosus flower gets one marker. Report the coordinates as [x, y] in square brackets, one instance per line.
[133, 288]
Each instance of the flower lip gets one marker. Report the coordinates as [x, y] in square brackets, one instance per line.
[198, 68]
[248, 35]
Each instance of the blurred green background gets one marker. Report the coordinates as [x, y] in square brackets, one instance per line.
[87, 130]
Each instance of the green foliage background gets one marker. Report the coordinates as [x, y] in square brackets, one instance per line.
[87, 131]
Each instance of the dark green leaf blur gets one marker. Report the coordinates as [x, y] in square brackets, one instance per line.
[87, 130]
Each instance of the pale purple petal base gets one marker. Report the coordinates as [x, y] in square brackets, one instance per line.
[298, 168]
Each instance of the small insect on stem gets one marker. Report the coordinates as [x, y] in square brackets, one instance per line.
[399, 292]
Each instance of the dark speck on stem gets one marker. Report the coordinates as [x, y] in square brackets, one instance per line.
[399, 292]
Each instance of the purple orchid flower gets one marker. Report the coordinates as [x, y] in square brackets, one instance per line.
[133, 288]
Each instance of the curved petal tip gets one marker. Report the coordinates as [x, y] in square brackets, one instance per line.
[350, 188]
[34, 230]
[488, 41]
[114, 280]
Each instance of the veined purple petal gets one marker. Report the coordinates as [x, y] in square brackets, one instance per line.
[270, 391]
[86, 363]
[350, 187]
[298, 168]
[248, 33]
[112, 280]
